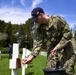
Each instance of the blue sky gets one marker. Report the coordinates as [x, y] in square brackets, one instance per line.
[18, 11]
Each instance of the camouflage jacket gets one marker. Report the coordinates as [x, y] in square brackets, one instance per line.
[56, 31]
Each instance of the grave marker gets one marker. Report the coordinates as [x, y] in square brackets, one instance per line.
[13, 61]
[26, 53]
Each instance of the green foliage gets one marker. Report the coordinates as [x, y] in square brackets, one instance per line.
[8, 30]
[2, 26]
[20, 50]
[75, 68]
[23, 34]
[4, 50]
[9, 33]
[16, 33]
[3, 36]
[75, 35]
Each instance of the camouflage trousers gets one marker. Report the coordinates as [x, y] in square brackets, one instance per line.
[60, 61]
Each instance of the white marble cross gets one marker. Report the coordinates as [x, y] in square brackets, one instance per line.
[25, 54]
[13, 61]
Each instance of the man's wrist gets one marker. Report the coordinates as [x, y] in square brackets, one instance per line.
[33, 56]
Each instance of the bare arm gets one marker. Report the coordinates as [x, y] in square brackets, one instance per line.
[28, 60]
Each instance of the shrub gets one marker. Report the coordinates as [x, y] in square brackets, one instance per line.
[4, 50]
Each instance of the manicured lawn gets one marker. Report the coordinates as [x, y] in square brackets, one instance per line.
[75, 68]
[4, 65]
[34, 68]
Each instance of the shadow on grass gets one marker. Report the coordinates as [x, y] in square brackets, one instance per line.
[30, 73]
[30, 66]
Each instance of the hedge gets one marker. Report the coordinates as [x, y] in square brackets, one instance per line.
[5, 50]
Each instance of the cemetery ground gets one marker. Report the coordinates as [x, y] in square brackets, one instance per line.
[34, 68]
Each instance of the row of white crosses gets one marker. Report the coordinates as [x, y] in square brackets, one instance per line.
[15, 62]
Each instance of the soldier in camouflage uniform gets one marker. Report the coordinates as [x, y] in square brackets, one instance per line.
[57, 32]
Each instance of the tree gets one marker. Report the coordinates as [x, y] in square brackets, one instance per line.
[9, 33]
[25, 34]
[2, 26]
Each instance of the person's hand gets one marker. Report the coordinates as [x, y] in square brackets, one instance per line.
[28, 60]
[54, 51]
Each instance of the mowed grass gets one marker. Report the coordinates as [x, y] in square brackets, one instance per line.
[34, 68]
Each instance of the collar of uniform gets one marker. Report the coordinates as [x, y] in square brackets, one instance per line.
[49, 25]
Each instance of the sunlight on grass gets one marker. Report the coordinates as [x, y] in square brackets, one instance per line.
[34, 68]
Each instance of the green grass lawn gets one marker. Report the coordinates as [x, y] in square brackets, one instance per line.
[34, 68]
